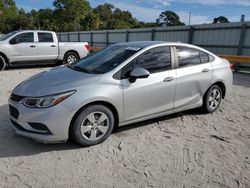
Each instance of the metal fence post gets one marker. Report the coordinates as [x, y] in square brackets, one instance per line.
[190, 34]
[127, 36]
[91, 39]
[107, 38]
[59, 37]
[153, 34]
[241, 43]
[68, 37]
[78, 37]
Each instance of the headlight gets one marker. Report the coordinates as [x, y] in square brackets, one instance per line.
[46, 101]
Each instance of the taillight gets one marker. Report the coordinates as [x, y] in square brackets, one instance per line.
[232, 67]
[87, 46]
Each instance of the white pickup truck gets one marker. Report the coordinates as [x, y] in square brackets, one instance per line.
[34, 46]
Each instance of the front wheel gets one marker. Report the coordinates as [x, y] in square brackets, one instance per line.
[93, 125]
[70, 57]
[212, 99]
[2, 63]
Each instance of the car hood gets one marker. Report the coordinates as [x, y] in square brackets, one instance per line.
[56, 80]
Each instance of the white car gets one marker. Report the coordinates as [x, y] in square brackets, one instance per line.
[32, 46]
[124, 83]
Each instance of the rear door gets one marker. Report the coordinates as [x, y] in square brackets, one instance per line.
[47, 46]
[194, 74]
[24, 48]
[152, 95]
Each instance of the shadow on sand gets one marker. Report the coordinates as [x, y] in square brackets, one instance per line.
[13, 145]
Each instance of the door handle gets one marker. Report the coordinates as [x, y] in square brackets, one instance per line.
[168, 79]
[205, 70]
[32, 46]
[53, 46]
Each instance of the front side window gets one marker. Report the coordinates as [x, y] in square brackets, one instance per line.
[24, 38]
[154, 60]
[105, 60]
[45, 37]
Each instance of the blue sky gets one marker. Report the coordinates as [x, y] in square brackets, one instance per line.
[203, 11]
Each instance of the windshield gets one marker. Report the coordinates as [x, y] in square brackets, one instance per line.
[4, 37]
[105, 60]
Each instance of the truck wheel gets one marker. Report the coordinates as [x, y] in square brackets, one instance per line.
[2, 63]
[93, 125]
[70, 57]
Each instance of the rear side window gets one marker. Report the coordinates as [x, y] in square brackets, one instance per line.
[204, 57]
[189, 56]
[45, 37]
[25, 37]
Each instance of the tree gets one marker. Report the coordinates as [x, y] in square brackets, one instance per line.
[8, 15]
[169, 18]
[221, 19]
[105, 14]
[69, 13]
[91, 22]
[75, 15]
[112, 18]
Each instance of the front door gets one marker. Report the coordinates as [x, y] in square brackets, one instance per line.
[23, 47]
[155, 94]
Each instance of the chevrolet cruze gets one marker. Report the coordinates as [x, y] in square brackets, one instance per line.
[122, 84]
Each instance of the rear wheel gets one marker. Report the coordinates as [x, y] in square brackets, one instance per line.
[2, 63]
[70, 57]
[93, 125]
[212, 99]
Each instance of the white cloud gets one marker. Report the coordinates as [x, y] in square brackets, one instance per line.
[141, 13]
[195, 19]
[151, 14]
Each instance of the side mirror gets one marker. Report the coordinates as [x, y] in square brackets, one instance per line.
[14, 41]
[138, 73]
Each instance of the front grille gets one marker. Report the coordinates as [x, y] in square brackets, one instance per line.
[16, 98]
[14, 112]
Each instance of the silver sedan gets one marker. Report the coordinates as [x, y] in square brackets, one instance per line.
[122, 84]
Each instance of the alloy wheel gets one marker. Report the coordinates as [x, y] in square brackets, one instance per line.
[71, 59]
[214, 99]
[95, 126]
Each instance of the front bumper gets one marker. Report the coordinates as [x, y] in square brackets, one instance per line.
[48, 125]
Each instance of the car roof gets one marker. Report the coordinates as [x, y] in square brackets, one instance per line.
[145, 44]
[141, 44]
[32, 31]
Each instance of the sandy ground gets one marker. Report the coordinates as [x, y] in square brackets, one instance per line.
[183, 150]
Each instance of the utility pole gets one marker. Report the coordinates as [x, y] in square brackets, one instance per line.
[189, 20]
[242, 19]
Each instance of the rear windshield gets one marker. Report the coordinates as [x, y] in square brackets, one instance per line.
[105, 60]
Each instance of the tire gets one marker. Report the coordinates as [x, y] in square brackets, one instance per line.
[2, 63]
[70, 57]
[87, 131]
[212, 99]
